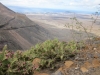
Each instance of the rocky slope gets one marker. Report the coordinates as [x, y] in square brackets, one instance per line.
[17, 31]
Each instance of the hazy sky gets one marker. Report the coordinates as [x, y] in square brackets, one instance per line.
[59, 4]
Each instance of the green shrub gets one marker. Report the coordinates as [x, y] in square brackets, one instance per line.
[14, 63]
[52, 51]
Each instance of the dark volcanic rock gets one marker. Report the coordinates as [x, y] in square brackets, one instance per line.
[19, 32]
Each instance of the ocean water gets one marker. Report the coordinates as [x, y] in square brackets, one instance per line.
[46, 10]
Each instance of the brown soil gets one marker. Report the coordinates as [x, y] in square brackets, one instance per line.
[86, 62]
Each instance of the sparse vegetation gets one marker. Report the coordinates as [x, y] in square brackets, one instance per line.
[78, 25]
[14, 63]
[50, 52]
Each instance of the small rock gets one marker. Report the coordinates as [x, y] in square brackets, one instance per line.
[58, 72]
[60, 69]
[83, 69]
[87, 65]
[38, 73]
[36, 62]
[68, 64]
[96, 55]
[94, 48]
[96, 63]
[79, 59]
[76, 68]
[43, 74]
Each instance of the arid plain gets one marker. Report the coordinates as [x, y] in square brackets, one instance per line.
[63, 27]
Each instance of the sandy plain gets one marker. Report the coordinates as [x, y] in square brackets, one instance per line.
[61, 26]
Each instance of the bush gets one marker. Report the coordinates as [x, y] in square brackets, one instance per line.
[14, 64]
[52, 51]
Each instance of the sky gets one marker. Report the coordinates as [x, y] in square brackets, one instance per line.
[83, 5]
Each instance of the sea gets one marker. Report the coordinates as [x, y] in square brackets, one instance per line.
[47, 10]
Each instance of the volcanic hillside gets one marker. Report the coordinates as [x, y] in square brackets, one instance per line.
[17, 31]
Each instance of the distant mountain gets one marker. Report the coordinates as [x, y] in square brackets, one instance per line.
[19, 32]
